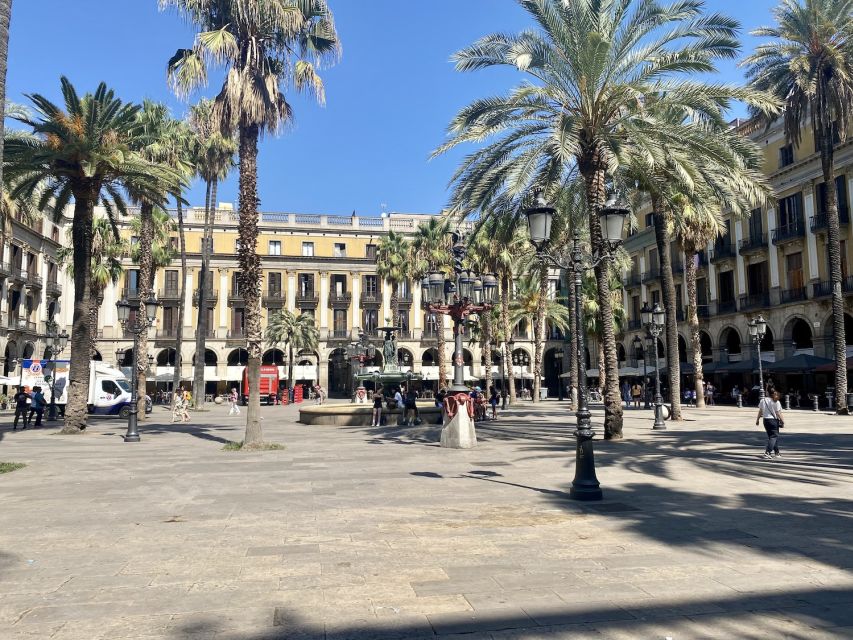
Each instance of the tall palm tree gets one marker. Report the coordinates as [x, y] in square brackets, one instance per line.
[431, 252]
[84, 152]
[107, 269]
[593, 320]
[808, 64]
[5, 18]
[393, 266]
[213, 154]
[262, 46]
[591, 68]
[296, 331]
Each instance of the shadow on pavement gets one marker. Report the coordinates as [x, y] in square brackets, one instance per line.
[796, 615]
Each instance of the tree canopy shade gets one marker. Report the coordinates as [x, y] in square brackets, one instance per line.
[807, 63]
[264, 46]
[592, 70]
[83, 151]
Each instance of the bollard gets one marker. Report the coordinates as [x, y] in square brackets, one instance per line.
[787, 402]
[739, 401]
[816, 406]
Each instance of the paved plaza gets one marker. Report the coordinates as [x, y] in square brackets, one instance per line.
[353, 532]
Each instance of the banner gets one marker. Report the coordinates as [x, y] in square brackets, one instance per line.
[39, 373]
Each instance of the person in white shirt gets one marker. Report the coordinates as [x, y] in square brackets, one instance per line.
[770, 409]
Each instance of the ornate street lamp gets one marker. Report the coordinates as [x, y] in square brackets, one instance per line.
[654, 319]
[466, 294]
[585, 485]
[139, 325]
[559, 354]
[757, 329]
[640, 351]
[57, 343]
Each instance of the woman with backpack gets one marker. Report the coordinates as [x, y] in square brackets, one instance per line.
[770, 409]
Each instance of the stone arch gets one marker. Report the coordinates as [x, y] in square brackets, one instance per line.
[467, 358]
[829, 332]
[405, 357]
[126, 359]
[706, 346]
[730, 339]
[340, 373]
[29, 350]
[274, 356]
[620, 353]
[97, 356]
[520, 356]
[682, 348]
[210, 358]
[767, 341]
[10, 354]
[429, 358]
[238, 358]
[800, 334]
[166, 357]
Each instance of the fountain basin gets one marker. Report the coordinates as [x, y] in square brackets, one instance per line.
[361, 415]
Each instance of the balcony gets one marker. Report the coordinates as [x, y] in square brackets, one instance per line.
[30, 279]
[23, 325]
[405, 297]
[5, 270]
[727, 306]
[274, 298]
[702, 311]
[339, 334]
[371, 298]
[651, 274]
[210, 297]
[753, 301]
[633, 279]
[788, 233]
[54, 289]
[634, 325]
[169, 333]
[235, 337]
[753, 244]
[235, 297]
[823, 289]
[793, 295]
[820, 222]
[169, 293]
[722, 251]
[338, 300]
[307, 298]
[130, 293]
[404, 334]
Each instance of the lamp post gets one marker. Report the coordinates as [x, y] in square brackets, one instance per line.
[585, 485]
[640, 351]
[57, 343]
[137, 326]
[654, 320]
[757, 329]
[458, 298]
[559, 354]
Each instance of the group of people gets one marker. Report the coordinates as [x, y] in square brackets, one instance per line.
[180, 412]
[406, 400]
[27, 405]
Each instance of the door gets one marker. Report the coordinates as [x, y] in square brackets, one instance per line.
[794, 267]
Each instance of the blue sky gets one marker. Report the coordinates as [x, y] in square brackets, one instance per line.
[389, 99]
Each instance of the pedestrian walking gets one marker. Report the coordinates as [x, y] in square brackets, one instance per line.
[626, 393]
[21, 408]
[36, 407]
[494, 398]
[185, 410]
[235, 407]
[770, 410]
[636, 394]
[411, 403]
[378, 399]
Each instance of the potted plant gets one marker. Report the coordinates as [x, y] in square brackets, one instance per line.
[4, 401]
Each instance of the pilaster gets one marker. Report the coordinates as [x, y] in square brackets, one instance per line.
[356, 301]
[739, 267]
[812, 272]
[323, 303]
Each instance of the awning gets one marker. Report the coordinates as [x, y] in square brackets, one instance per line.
[830, 366]
[802, 363]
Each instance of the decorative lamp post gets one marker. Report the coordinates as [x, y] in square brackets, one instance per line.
[57, 344]
[559, 354]
[654, 320]
[585, 485]
[467, 293]
[757, 329]
[137, 326]
[640, 351]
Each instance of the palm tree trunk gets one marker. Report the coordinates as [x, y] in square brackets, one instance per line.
[250, 278]
[693, 323]
[81, 338]
[179, 334]
[671, 323]
[5, 18]
[201, 324]
[94, 306]
[602, 374]
[827, 157]
[593, 170]
[146, 286]
[539, 333]
[487, 349]
[290, 380]
[508, 370]
[573, 342]
[395, 303]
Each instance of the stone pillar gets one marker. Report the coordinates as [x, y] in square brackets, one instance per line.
[356, 302]
[643, 293]
[739, 267]
[812, 270]
[323, 303]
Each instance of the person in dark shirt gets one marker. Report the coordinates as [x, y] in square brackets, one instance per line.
[21, 407]
[37, 406]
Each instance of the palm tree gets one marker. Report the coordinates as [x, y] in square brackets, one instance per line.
[107, 269]
[431, 252]
[263, 46]
[213, 154]
[593, 320]
[592, 67]
[392, 264]
[84, 152]
[297, 332]
[808, 65]
[5, 18]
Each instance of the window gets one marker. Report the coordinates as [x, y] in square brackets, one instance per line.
[275, 247]
[786, 155]
[370, 252]
[841, 190]
[650, 220]
[430, 324]
[403, 321]
[171, 281]
[654, 264]
[756, 278]
[791, 212]
[371, 321]
[371, 286]
[404, 290]
[274, 284]
[340, 250]
[170, 319]
[237, 245]
[110, 387]
[794, 267]
[340, 321]
[678, 306]
[701, 292]
[307, 249]
[173, 244]
[235, 283]
[756, 225]
[655, 298]
[306, 285]
[727, 286]
[134, 241]
[635, 308]
[132, 282]
[339, 285]
[238, 321]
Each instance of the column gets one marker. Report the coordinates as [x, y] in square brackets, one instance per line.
[643, 292]
[771, 249]
[323, 304]
[812, 272]
[223, 298]
[356, 293]
[291, 292]
[741, 276]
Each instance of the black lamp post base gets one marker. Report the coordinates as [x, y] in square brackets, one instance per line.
[585, 486]
[133, 437]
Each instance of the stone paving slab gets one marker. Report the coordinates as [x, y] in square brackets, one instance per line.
[356, 533]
